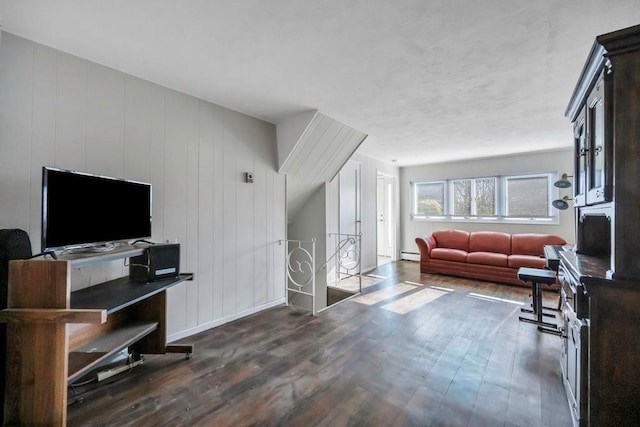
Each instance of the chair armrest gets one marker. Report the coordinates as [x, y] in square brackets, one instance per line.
[425, 244]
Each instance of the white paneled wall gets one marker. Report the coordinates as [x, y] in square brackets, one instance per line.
[60, 110]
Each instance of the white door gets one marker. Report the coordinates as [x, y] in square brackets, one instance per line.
[350, 198]
[386, 221]
[381, 217]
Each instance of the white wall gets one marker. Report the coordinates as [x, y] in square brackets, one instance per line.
[64, 111]
[289, 132]
[560, 161]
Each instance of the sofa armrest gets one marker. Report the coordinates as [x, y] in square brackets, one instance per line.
[425, 244]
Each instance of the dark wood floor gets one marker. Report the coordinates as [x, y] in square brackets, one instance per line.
[457, 360]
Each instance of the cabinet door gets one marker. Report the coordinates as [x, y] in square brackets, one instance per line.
[599, 144]
[582, 159]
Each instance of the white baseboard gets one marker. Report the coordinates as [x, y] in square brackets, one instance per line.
[410, 256]
[218, 322]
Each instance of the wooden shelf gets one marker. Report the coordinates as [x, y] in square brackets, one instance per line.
[83, 359]
[104, 318]
[83, 259]
[120, 293]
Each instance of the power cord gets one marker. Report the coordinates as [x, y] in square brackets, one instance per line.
[51, 253]
[142, 241]
[78, 396]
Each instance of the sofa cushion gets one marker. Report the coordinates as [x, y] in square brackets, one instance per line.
[517, 261]
[487, 258]
[449, 254]
[532, 243]
[490, 241]
[452, 239]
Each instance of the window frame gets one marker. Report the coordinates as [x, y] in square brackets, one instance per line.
[474, 206]
[501, 201]
[550, 197]
[414, 198]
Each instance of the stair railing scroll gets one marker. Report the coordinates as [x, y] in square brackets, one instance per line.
[301, 268]
[348, 256]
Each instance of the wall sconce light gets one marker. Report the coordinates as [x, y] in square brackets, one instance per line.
[563, 182]
[561, 204]
[248, 177]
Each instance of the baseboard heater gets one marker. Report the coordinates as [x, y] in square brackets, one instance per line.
[410, 256]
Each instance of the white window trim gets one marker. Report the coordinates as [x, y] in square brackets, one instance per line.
[414, 198]
[474, 207]
[501, 200]
[550, 179]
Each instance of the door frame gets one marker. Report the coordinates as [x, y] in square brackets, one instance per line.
[394, 208]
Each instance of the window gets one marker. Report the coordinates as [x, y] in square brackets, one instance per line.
[520, 198]
[474, 197]
[429, 198]
[461, 191]
[527, 196]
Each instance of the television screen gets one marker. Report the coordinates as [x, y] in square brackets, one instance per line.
[80, 209]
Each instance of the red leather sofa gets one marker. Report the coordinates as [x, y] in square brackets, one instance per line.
[484, 255]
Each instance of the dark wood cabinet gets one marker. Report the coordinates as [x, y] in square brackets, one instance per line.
[601, 351]
[599, 142]
[581, 151]
[593, 181]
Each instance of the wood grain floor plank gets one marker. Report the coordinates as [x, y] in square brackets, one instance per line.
[454, 360]
[490, 407]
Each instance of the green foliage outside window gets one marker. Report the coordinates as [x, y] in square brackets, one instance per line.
[429, 207]
[429, 198]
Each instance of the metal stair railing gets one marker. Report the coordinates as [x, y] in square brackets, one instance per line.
[301, 268]
[348, 256]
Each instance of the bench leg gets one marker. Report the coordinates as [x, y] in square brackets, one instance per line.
[537, 309]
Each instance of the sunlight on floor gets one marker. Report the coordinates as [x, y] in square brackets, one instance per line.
[407, 303]
[414, 301]
[383, 294]
[440, 288]
[413, 283]
[494, 299]
[353, 283]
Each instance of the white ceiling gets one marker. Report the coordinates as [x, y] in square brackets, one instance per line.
[427, 80]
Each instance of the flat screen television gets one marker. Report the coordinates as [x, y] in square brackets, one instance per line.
[81, 209]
